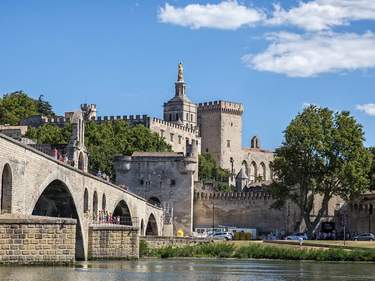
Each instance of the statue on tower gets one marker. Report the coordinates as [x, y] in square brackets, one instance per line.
[180, 77]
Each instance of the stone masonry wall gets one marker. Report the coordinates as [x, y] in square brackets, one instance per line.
[113, 242]
[246, 209]
[155, 242]
[37, 240]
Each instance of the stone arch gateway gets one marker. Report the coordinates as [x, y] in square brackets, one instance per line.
[57, 201]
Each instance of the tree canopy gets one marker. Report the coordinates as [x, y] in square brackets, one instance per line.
[372, 169]
[18, 105]
[209, 170]
[107, 139]
[103, 141]
[322, 155]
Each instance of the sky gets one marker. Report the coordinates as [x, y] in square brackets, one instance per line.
[275, 57]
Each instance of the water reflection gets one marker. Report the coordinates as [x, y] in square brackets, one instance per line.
[194, 270]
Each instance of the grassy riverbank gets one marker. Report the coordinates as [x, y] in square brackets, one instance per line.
[258, 251]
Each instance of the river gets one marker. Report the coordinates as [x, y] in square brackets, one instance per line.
[192, 269]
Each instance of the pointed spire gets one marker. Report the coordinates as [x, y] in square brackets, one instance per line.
[180, 75]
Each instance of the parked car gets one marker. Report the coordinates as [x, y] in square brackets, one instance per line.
[364, 237]
[221, 236]
[297, 236]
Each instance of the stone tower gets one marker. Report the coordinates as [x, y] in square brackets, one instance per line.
[220, 124]
[88, 111]
[180, 109]
[76, 149]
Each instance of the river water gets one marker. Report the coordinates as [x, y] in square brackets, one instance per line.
[192, 269]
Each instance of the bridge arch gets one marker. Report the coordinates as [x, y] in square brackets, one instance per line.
[152, 226]
[56, 200]
[154, 201]
[122, 213]
[6, 189]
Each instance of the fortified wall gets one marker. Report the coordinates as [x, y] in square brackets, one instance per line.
[243, 209]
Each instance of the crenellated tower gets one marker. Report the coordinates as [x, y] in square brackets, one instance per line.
[220, 124]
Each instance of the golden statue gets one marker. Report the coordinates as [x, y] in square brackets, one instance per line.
[180, 76]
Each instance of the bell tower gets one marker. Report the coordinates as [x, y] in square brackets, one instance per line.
[180, 109]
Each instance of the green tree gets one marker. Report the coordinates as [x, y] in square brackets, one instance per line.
[105, 140]
[322, 155]
[50, 134]
[44, 107]
[209, 170]
[16, 106]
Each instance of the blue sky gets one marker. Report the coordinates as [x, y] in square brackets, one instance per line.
[123, 56]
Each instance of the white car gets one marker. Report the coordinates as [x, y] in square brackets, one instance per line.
[221, 236]
[297, 236]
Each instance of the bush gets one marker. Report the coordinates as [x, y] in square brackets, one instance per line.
[259, 251]
[242, 236]
[144, 250]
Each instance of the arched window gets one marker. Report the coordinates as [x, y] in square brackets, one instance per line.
[263, 172]
[253, 171]
[95, 206]
[86, 201]
[81, 162]
[245, 167]
[6, 190]
[154, 201]
[104, 202]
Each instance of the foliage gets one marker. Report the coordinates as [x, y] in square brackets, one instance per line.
[260, 251]
[221, 250]
[144, 250]
[50, 134]
[103, 141]
[44, 107]
[322, 155]
[209, 170]
[242, 236]
[17, 106]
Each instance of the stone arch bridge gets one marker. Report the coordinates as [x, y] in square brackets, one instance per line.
[34, 183]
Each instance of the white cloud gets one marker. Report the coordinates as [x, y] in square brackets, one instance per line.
[369, 108]
[324, 14]
[309, 55]
[225, 15]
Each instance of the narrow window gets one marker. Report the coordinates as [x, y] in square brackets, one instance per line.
[171, 137]
[228, 143]
[179, 139]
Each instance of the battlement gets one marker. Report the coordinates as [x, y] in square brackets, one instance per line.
[129, 118]
[220, 105]
[251, 195]
[58, 120]
[174, 125]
